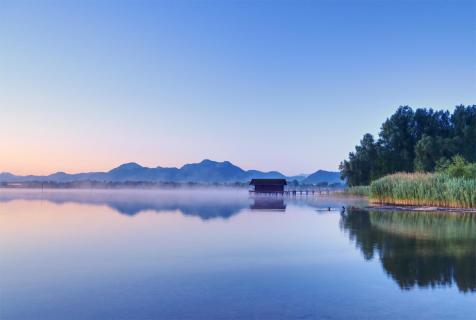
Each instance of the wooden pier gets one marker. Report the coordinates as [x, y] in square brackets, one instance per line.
[276, 187]
[294, 192]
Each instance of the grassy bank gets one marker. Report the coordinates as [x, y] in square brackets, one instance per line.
[424, 189]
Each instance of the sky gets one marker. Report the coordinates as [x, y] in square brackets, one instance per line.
[270, 85]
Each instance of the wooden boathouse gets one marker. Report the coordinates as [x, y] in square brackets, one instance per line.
[268, 185]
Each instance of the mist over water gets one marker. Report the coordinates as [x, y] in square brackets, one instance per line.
[203, 254]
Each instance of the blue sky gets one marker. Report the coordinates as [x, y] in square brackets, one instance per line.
[272, 85]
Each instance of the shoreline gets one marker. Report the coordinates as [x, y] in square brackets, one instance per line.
[419, 208]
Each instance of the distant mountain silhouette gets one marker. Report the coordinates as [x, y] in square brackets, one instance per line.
[299, 177]
[323, 176]
[207, 171]
[211, 171]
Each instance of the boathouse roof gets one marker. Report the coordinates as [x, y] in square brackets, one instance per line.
[268, 182]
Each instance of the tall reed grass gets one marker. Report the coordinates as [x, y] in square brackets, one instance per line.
[358, 191]
[427, 189]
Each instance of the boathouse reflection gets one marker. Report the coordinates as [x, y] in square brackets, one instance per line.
[268, 203]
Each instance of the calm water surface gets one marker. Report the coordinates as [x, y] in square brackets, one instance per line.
[222, 255]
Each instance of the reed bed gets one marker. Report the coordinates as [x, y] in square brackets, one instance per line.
[424, 189]
[358, 191]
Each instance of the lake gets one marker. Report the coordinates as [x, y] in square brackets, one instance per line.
[219, 254]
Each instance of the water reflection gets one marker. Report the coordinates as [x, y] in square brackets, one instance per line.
[418, 249]
[203, 204]
[268, 203]
[257, 265]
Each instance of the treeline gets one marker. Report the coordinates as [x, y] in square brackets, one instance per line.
[421, 140]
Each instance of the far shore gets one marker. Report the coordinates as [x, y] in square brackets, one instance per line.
[146, 185]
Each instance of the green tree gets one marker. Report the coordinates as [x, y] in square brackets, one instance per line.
[397, 139]
[409, 140]
[362, 164]
[430, 150]
[464, 130]
[458, 167]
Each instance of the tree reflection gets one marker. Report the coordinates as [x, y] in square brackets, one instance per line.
[418, 249]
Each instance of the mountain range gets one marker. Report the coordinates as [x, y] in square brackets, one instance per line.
[207, 171]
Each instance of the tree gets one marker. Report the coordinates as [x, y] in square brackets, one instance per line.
[429, 150]
[361, 165]
[409, 140]
[464, 129]
[460, 168]
[397, 138]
